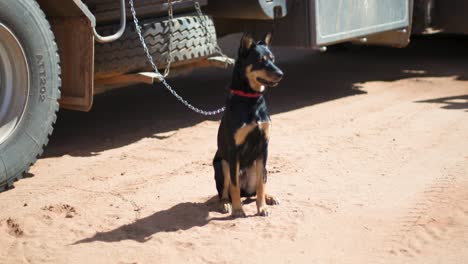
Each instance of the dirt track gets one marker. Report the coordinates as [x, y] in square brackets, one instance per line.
[369, 156]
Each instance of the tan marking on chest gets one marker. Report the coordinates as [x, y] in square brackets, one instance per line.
[242, 133]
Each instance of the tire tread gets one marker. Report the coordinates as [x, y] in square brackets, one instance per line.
[52, 49]
[191, 40]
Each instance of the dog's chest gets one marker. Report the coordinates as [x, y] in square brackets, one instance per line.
[252, 132]
[251, 141]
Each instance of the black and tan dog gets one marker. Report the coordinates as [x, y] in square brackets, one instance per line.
[243, 135]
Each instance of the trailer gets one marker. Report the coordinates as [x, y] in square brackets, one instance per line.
[60, 53]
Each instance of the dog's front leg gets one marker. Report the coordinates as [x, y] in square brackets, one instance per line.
[234, 188]
[262, 209]
[269, 199]
[225, 203]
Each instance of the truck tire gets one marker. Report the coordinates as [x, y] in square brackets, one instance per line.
[193, 38]
[29, 86]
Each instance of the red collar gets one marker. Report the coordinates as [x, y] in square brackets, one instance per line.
[244, 94]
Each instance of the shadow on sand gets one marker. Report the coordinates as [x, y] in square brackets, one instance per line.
[182, 216]
[127, 115]
[450, 103]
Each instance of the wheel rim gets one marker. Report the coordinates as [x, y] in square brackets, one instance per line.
[14, 83]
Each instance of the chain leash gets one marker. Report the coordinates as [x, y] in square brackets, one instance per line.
[162, 78]
[170, 13]
[208, 33]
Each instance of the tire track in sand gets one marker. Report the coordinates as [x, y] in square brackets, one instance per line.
[440, 215]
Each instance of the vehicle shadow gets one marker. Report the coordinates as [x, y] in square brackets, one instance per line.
[182, 216]
[450, 103]
[124, 116]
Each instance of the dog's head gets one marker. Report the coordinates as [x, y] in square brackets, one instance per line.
[257, 63]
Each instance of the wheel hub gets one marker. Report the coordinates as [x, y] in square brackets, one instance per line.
[14, 82]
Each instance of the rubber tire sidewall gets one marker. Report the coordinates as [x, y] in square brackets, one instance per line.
[27, 21]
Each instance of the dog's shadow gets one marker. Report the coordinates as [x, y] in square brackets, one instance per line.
[182, 216]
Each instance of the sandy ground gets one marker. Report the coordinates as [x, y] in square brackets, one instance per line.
[369, 156]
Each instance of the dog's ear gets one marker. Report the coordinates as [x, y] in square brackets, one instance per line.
[246, 43]
[267, 38]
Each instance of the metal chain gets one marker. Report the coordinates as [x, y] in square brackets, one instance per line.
[212, 38]
[161, 77]
[170, 12]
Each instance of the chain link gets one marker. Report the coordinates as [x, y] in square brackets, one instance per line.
[162, 78]
[208, 33]
[170, 12]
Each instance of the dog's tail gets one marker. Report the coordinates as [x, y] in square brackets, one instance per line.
[218, 173]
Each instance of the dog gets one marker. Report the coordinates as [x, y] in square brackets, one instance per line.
[244, 132]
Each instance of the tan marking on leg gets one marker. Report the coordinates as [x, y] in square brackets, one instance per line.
[266, 128]
[241, 133]
[226, 207]
[237, 210]
[262, 209]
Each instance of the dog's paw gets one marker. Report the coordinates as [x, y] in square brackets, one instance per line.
[264, 211]
[226, 207]
[238, 213]
[271, 200]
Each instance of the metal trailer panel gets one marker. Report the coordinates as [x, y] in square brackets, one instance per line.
[333, 22]
[340, 20]
[247, 9]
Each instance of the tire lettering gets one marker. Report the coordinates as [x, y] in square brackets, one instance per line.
[42, 77]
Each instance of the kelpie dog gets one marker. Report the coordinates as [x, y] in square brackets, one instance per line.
[243, 134]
